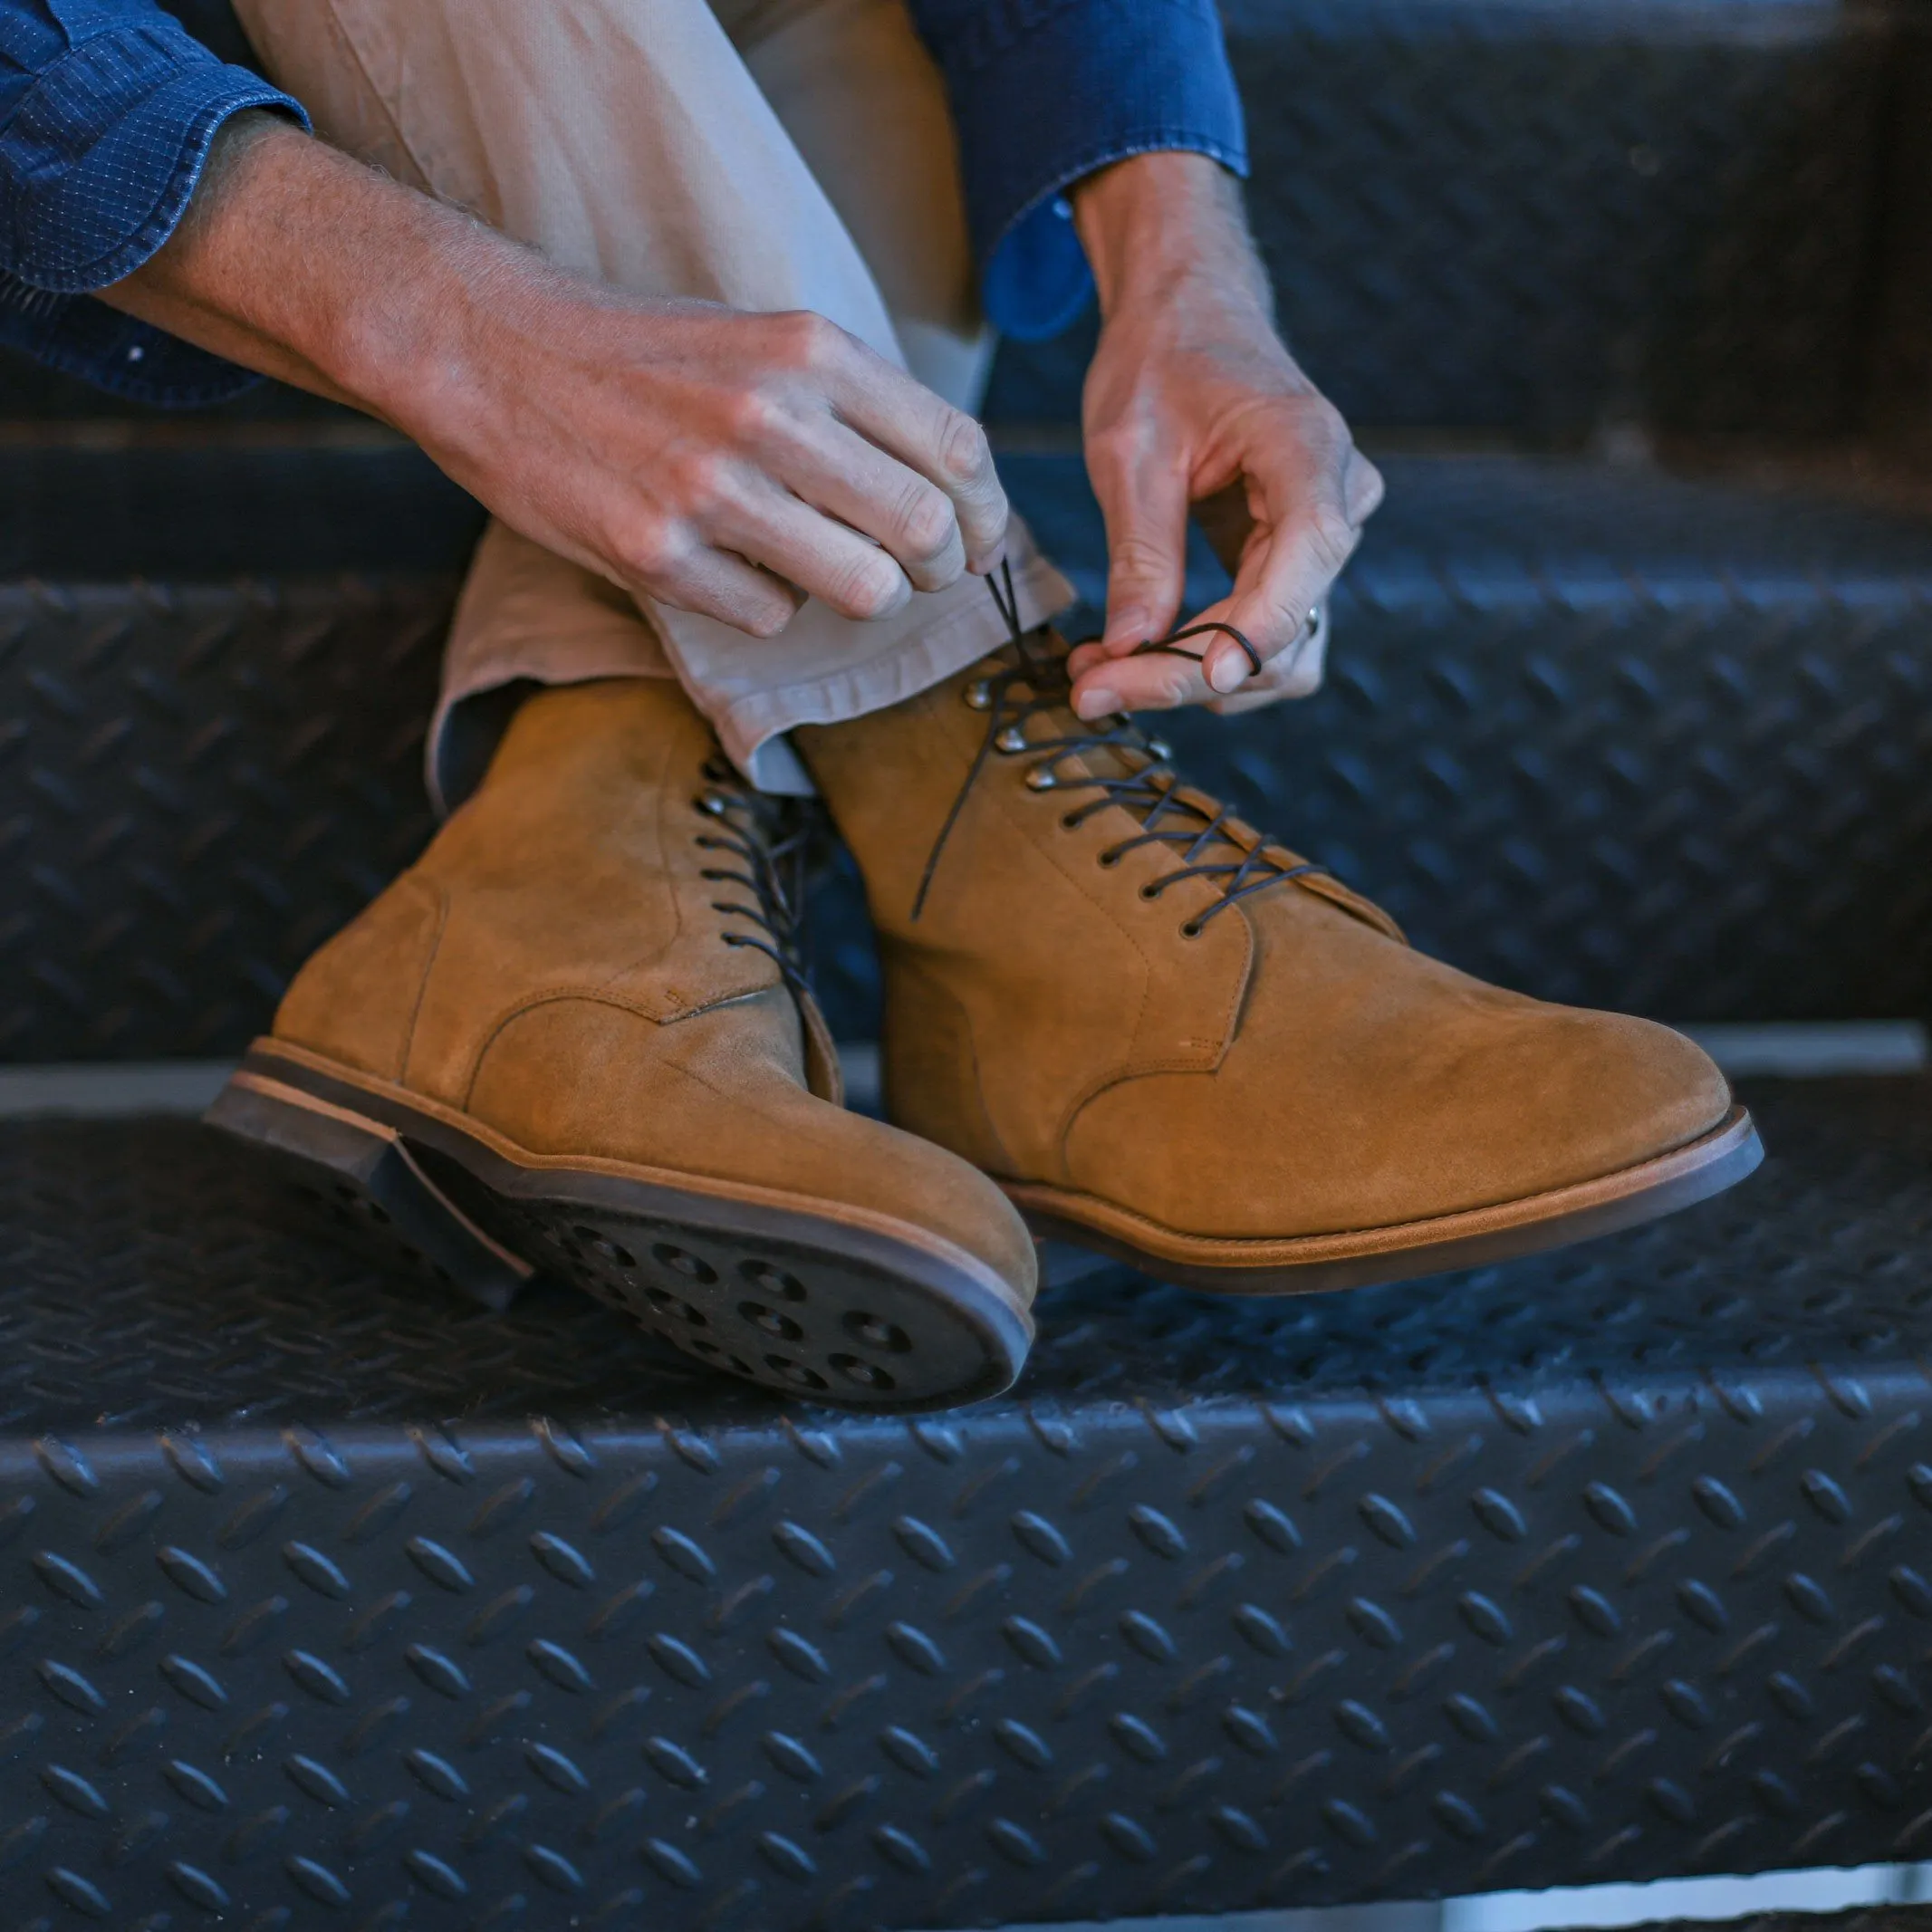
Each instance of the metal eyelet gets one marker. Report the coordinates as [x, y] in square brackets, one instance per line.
[1070, 821]
[1161, 749]
[1041, 780]
[1108, 860]
[979, 694]
[1012, 739]
[1191, 929]
[1151, 892]
[715, 803]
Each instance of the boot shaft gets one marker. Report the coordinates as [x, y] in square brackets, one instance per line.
[609, 853]
[1002, 877]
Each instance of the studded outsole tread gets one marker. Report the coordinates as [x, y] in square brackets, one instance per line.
[799, 1297]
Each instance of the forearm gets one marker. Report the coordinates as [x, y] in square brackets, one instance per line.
[1155, 219]
[298, 262]
[725, 462]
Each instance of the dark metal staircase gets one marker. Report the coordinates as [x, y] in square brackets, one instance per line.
[326, 1601]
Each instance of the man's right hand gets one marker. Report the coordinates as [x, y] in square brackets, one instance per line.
[713, 459]
[723, 462]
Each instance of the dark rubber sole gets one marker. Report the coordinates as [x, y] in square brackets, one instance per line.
[800, 1297]
[1316, 1264]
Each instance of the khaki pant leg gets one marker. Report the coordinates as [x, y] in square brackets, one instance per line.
[863, 102]
[630, 140]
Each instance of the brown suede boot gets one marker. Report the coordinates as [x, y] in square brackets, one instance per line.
[572, 1037]
[1176, 1041]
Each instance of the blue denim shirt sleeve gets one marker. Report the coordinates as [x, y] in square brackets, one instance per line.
[1047, 90]
[108, 109]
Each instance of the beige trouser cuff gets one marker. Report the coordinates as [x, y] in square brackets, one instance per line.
[526, 612]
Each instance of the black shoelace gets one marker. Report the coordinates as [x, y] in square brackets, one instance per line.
[772, 838]
[1194, 831]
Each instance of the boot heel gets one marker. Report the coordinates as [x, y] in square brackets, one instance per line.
[361, 1180]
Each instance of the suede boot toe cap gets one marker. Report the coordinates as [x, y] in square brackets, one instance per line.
[1551, 1098]
[712, 1097]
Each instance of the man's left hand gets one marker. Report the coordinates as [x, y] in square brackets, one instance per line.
[1192, 393]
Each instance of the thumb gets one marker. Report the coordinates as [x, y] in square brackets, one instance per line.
[1146, 512]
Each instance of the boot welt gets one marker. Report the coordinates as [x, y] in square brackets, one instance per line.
[815, 1298]
[1312, 1263]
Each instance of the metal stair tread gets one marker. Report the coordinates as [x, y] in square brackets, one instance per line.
[318, 1592]
[1613, 736]
[121, 1239]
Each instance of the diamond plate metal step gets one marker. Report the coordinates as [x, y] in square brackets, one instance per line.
[1510, 214]
[326, 1599]
[1608, 736]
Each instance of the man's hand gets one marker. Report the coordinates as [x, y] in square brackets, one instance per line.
[716, 459]
[1192, 393]
[726, 463]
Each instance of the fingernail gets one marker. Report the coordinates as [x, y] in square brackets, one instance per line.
[1228, 672]
[1128, 628]
[1096, 704]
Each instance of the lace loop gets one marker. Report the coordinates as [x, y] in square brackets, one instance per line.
[1169, 645]
[1195, 829]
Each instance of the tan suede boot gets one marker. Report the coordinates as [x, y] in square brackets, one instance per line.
[572, 1038]
[1176, 1041]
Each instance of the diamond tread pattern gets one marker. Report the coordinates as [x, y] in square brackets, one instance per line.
[1608, 738]
[1540, 218]
[325, 1599]
[200, 784]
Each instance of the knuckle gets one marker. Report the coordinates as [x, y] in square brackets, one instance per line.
[703, 485]
[791, 332]
[1124, 436]
[753, 416]
[811, 343]
[965, 454]
[926, 525]
[652, 553]
[1370, 486]
[1322, 425]
[868, 589]
[1331, 538]
[1114, 448]
[1334, 425]
[767, 617]
[1138, 558]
